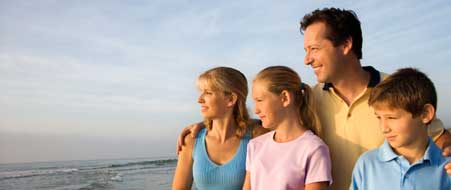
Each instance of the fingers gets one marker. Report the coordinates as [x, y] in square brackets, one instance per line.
[447, 151]
[181, 139]
[178, 147]
[448, 168]
[195, 129]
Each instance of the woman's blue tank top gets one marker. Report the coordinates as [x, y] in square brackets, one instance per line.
[209, 175]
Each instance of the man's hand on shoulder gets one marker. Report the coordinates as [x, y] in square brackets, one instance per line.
[192, 129]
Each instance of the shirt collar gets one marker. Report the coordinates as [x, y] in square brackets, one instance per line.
[386, 152]
[375, 78]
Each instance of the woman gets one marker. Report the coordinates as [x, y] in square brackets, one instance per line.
[217, 157]
[291, 156]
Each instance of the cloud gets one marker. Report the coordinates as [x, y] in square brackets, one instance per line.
[117, 69]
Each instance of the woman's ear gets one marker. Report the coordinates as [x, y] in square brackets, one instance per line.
[428, 113]
[286, 98]
[233, 98]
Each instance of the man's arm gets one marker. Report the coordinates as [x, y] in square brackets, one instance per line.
[444, 142]
[193, 130]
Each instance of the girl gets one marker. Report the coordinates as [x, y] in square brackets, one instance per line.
[216, 158]
[291, 156]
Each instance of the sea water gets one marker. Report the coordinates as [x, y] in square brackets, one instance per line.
[120, 174]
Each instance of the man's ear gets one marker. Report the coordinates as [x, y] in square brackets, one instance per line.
[286, 98]
[347, 46]
[428, 113]
[233, 98]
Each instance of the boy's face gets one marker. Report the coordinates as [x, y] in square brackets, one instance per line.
[399, 127]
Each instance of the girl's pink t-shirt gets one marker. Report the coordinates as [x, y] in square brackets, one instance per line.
[288, 165]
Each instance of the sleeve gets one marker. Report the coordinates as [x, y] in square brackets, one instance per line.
[249, 156]
[435, 129]
[318, 167]
[357, 178]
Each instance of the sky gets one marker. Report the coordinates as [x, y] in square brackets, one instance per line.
[116, 79]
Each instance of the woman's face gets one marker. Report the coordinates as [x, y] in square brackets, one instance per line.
[267, 105]
[213, 104]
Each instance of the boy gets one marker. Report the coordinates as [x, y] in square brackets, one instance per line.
[405, 103]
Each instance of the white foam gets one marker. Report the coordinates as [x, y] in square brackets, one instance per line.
[118, 177]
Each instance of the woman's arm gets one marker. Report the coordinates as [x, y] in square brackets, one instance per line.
[183, 177]
[247, 181]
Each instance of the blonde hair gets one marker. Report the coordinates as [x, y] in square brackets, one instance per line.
[229, 81]
[280, 78]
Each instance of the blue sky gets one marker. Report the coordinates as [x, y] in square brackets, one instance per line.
[115, 79]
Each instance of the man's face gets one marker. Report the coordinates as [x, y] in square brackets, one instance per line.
[325, 59]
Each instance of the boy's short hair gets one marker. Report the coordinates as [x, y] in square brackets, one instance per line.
[408, 89]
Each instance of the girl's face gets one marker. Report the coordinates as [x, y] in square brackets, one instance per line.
[267, 105]
[213, 104]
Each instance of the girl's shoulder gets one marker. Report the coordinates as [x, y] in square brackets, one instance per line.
[312, 141]
[262, 138]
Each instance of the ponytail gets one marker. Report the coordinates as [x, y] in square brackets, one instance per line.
[307, 111]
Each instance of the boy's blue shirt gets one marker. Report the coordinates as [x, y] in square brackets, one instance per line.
[382, 169]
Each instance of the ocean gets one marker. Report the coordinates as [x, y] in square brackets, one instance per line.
[120, 174]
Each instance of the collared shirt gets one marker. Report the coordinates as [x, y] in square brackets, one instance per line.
[383, 169]
[349, 131]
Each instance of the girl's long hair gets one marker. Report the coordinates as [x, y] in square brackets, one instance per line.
[280, 78]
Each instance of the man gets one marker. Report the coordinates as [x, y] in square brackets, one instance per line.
[333, 45]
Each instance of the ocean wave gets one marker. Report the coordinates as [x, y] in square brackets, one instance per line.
[153, 162]
[138, 165]
[32, 173]
[96, 185]
[117, 177]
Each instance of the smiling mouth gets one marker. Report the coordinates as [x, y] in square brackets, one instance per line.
[390, 138]
[316, 68]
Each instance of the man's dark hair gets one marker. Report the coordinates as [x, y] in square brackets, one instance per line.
[341, 25]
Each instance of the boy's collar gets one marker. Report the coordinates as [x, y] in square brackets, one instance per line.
[386, 153]
[375, 78]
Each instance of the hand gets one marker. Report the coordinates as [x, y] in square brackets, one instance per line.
[193, 130]
[447, 153]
